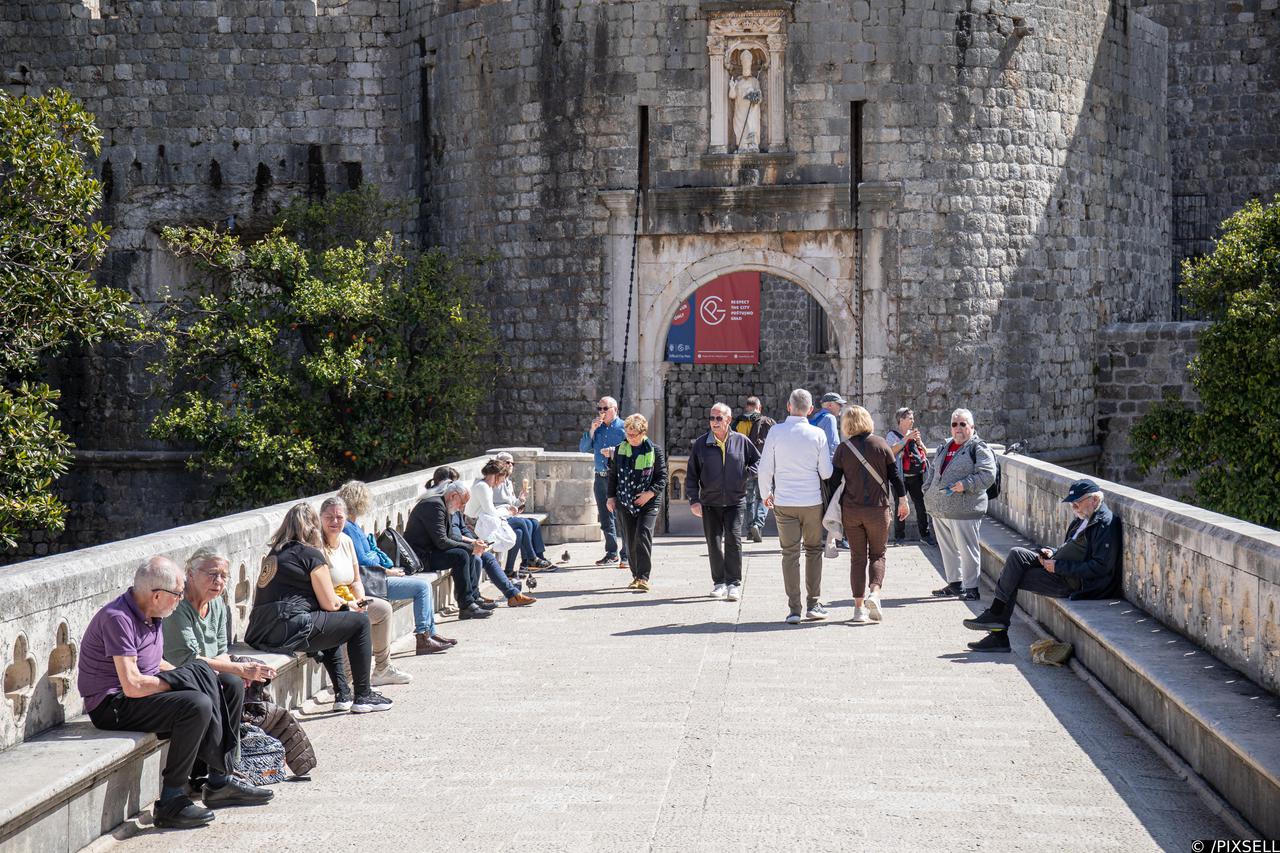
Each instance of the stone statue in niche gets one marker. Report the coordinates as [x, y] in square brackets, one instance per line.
[746, 95]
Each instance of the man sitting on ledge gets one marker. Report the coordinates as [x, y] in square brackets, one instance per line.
[1086, 565]
[128, 686]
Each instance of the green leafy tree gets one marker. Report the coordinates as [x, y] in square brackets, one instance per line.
[1231, 443]
[49, 247]
[321, 352]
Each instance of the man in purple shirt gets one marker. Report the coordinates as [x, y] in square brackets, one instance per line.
[121, 656]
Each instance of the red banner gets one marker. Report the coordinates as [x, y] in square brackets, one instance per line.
[726, 327]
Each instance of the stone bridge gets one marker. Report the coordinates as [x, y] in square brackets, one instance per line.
[605, 719]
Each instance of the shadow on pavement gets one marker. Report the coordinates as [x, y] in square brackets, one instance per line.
[707, 628]
[639, 600]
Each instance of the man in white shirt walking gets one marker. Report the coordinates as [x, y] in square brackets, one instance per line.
[795, 461]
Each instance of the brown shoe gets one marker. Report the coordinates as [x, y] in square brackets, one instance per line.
[427, 645]
[520, 600]
[444, 640]
[485, 600]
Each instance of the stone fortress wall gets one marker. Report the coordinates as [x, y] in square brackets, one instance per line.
[978, 187]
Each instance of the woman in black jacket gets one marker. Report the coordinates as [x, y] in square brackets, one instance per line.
[637, 483]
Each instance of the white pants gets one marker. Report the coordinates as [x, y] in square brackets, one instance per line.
[961, 554]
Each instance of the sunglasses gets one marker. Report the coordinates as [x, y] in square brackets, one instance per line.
[603, 408]
[958, 423]
[717, 418]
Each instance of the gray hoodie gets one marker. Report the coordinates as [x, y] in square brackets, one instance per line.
[972, 502]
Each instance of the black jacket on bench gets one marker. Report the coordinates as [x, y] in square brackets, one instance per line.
[1094, 560]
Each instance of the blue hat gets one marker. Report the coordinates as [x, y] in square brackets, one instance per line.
[1079, 489]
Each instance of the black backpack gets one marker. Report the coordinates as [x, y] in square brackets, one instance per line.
[993, 491]
[393, 544]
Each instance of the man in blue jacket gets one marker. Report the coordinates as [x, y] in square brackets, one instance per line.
[600, 438]
[720, 464]
[1086, 565]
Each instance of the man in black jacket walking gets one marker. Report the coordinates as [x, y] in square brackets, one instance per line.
[720, 463]
[1086, 565]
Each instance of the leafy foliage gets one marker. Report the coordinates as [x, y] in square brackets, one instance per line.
[49, 246]
[1231, 444]
[321, 352]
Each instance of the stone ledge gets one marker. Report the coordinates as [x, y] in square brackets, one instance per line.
[1223, 725]
[774, 207]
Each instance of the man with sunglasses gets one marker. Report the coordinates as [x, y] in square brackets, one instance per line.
[720, 463]
[128, 686]
[600, 438]
[955, 496]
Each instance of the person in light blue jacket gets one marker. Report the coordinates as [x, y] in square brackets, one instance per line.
[600, 438]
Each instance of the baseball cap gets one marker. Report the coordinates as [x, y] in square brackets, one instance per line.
[832, 397]
[1079, 489]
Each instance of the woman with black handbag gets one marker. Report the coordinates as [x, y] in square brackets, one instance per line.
[384, 579]
[297, 609]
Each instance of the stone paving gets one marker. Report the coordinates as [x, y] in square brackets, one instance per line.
[602, 719]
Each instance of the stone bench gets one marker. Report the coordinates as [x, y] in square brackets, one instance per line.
[1223, 725]
[66, 787]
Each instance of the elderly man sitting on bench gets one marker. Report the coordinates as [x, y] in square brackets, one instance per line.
[1086, 565]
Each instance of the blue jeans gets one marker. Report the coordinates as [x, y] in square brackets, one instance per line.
[528, 540]
[755, 512]
[608, 521]
[424, 605]
[498, 577]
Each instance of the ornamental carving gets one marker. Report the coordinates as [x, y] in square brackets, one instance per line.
[746, 52]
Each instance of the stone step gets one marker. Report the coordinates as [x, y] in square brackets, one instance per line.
[1222, 724]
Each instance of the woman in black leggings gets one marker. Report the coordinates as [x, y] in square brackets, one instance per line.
[296, 609]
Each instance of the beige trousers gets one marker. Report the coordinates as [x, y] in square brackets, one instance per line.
[800, 526]
[380, 628]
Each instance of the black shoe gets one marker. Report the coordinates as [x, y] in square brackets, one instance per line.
[181, 813]
[607, 560]
[371, 701]
[996, 641]
[950, 590]
[487, 605]
[236, 792]
[474, 612]
[969, 594]
[987, 621]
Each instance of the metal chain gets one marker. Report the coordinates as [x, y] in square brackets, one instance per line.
[631, 287]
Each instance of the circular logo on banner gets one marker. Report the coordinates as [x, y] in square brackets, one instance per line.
[682, 314]
[712, 311]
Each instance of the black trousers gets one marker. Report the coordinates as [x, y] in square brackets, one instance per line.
[187, 718]
[915, 488]
[331, 634]
[721, 523]
[465, 575]
[1022, 570]
[637, 532]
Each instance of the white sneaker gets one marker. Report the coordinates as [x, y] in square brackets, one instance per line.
[390, 675]
[872, 603]
[859, 615]
[832, 552]
[734, 592]
[817, 611]
[793, 619]
[718, 591]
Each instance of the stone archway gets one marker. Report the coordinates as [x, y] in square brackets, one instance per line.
[832, 291]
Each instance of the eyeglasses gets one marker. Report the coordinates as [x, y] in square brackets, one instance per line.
[215, 576]
[958, 423]
[177, 594]
[634, 434]
[715, 419]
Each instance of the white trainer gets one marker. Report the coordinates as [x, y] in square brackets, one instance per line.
[734, 592]
[719, 591]
[860, 615]
[389, 675]
[872, 603]
[793, 619]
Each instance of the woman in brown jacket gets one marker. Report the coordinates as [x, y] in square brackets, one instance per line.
[865, 464]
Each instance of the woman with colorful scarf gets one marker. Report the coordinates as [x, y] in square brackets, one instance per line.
[637, 483]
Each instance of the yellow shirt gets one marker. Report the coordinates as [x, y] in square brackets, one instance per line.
[721, 445]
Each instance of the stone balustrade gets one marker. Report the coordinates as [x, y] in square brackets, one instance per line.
[46, 604]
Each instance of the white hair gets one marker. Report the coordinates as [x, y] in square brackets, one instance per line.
[158, 572]
[612, 403]
[965, 413]
[722, 407]
[454, 488]
[504, 456]
[203, 557]
[801, 399]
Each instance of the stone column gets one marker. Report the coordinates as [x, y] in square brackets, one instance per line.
[776, 97]
[618, 285]
[878, 205]
[719, 96]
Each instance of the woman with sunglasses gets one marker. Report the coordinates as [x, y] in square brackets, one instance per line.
[720, 464]
[637, 482]
[955, 494]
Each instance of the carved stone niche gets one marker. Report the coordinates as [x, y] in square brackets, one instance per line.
[741, 40]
